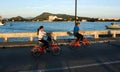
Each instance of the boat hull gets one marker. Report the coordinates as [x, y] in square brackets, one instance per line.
[113, 27]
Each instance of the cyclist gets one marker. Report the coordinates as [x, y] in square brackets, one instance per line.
[41, 34]
[77, 32]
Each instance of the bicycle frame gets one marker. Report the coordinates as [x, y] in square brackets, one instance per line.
[78, 43]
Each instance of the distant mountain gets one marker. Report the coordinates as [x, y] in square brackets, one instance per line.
[64, 17]
[45, 15]
[18, 18]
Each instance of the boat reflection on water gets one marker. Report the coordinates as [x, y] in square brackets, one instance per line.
[113, 26]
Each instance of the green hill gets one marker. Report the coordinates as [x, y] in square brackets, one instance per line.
[45, 15]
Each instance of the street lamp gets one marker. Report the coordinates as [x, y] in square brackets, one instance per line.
[75, 11]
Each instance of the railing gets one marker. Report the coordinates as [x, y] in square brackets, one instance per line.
[96, 34]
[31, 35]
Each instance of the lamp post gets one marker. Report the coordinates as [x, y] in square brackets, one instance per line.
[75, 11]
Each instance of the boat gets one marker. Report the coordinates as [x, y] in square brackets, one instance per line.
[113, 26]
[1, 24]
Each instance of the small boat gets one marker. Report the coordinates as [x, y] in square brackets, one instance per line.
[1, 24]
[113, 26]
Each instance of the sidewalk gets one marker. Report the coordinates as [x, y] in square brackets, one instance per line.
[16, 44]
[115, 41]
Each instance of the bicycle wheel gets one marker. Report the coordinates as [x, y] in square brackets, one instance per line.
[56, 51]
[34, 51]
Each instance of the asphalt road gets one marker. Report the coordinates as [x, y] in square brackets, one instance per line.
[99, 57]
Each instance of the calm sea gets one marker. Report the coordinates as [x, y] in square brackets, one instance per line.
[51, 26]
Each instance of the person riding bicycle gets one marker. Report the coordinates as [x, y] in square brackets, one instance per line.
[77, 32]
[41, 34]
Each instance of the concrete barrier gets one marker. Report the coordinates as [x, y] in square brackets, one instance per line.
[94, 33]
[31, 35]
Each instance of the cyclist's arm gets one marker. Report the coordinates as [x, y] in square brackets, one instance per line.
[81, 31]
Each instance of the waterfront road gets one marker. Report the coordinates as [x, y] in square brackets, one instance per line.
[98, 57]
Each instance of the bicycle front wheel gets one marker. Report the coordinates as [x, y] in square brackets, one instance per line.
[56, 51]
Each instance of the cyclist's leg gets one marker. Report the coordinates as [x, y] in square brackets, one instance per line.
[79, 37]
[45, 43]
[40, 43]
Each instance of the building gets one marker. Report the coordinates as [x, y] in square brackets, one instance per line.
[51, 18]
[84, 20]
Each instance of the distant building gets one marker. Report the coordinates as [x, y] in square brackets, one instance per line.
[13, 20]
[116, 18]
[38, 20]
[51, 18]
[101, 19]
[84, 20]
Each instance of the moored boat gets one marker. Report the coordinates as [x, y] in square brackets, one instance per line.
[113, 26]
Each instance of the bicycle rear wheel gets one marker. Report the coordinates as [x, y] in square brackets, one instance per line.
[34, 51]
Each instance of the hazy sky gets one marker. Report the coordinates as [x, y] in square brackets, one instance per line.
[87, 8]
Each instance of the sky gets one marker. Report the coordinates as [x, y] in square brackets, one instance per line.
[86, 8]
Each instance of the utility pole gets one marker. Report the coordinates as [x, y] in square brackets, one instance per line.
[75, 11]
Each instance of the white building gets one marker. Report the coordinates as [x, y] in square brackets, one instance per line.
[51, 18]
[84, 20]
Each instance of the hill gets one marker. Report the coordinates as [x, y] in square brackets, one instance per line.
[45, 15]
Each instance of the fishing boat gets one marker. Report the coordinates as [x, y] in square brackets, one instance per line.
[113, 26]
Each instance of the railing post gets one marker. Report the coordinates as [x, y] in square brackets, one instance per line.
[31, 39]
[96, 35]
[114, 35]
[6, 39]
[55, 37]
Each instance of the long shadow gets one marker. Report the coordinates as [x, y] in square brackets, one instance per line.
[48, 61]
[104, 66]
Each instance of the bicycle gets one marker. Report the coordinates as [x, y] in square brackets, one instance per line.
[74, 43]
[40, 49]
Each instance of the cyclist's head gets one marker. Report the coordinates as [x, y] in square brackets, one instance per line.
[41, 27]
[77, 24]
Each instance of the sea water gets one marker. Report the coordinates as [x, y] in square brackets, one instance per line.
[15, 27]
